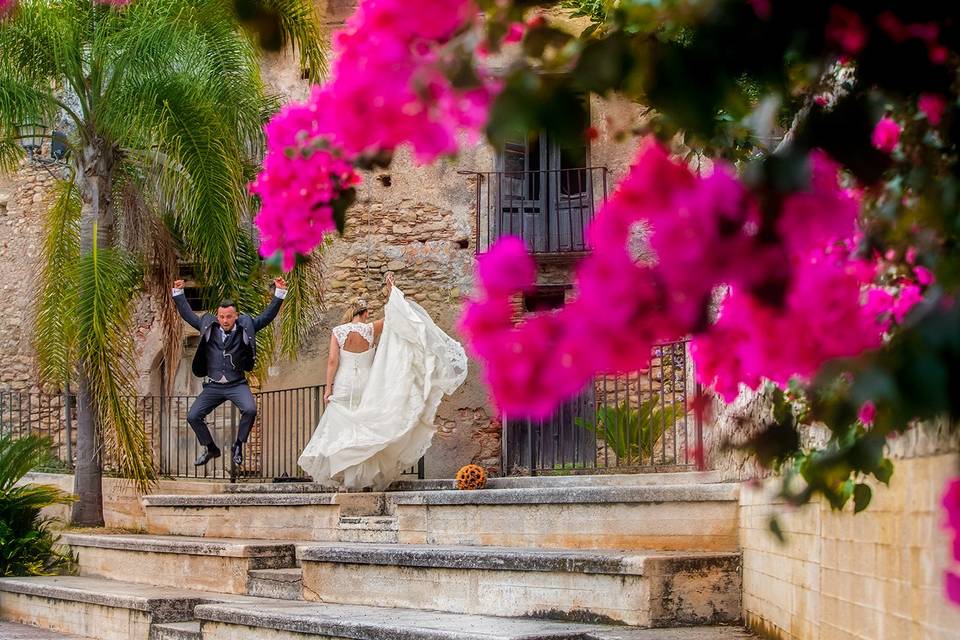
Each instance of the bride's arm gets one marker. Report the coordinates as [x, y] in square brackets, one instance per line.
[333, 363]
[378, 324]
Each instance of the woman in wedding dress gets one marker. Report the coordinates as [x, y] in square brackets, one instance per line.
[379, 410]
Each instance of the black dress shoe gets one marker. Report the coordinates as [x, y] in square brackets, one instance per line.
[237, 450]
[209, 454]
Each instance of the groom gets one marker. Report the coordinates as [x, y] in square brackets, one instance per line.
[228, 347]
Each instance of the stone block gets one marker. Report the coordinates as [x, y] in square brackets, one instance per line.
[665, 518]
[220, 566]
[652, 589]
[273, 517]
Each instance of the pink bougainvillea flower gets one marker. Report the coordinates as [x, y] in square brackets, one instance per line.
[514, 33]
[951, 504]
[923, 275]
[867, 413]
[7, 7]
[886, 134]
[933, 106]
[952, 587]
[846, 30]
[907, 299]
[506, 269]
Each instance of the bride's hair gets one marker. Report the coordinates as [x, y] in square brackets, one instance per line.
[355, 308]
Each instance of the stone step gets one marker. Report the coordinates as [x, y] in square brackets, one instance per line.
[99, 607]
[177, 631]
[266, 516]
[312, 621]
[373, 529]
[16, 631]
[514, 482]
[648, 589]
[218, 565]
[282, 584]
[698, 517]
[694, 517]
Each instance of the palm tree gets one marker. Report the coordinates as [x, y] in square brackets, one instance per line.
[164, 106]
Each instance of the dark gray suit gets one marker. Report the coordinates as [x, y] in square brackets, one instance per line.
[223, 359]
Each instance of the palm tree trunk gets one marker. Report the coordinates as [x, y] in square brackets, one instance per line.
[94, 179]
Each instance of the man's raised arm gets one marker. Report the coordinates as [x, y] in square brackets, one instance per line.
[180, 300]
[273, 308]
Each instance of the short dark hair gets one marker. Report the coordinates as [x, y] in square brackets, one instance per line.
[227, 303]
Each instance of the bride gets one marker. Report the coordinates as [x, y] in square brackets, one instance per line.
[380, 407]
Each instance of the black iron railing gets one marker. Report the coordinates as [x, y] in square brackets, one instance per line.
[285, 422]
[549, 209]
[624, 423]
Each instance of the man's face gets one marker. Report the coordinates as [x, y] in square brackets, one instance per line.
[227, 317]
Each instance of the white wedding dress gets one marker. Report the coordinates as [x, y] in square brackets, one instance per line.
[379, 421]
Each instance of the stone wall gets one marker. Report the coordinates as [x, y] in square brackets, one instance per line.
[22, 203]
[874, 576]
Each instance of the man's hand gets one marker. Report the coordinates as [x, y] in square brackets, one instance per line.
[178, 284]
[280, 282]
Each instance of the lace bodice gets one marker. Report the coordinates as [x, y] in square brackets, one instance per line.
[365, 330]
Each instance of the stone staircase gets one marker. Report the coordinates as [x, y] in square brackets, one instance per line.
[588, 558]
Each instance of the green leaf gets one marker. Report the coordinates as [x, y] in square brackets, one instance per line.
[777, 530]
[340, 206]
[884, 471]
[861, 497]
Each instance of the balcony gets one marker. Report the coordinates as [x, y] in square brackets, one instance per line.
[548, 209]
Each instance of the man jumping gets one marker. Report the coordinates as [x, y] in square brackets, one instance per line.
[227, 350]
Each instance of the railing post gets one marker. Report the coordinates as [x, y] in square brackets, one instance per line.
[698, 424]
[233, 435]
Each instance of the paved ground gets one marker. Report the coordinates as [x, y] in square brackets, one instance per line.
[12, 631]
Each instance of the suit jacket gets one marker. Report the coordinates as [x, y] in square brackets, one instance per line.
[248, 325]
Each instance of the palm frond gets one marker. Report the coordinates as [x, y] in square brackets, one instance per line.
[55, 332]
[300, 28]
[18, 456]
[108, 280]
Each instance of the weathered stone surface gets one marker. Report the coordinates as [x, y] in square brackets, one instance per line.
[721, 492]
[311, 520]
[183, 545]
[373, 623]
[282, 584]
[503, 558]
[518, 482]
[176, 631]
[230, 500]
[653, 589]
[220, 566]
[374, 529]
[15, 631]
[301, 621]
[693, 526]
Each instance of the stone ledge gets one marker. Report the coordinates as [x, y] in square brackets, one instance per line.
[515, 482]
[375, 623]
[14, 631]
[172, 604]
[241, 500]
[720, 492]
[278, 575]
[182, 545]
[514, 559]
